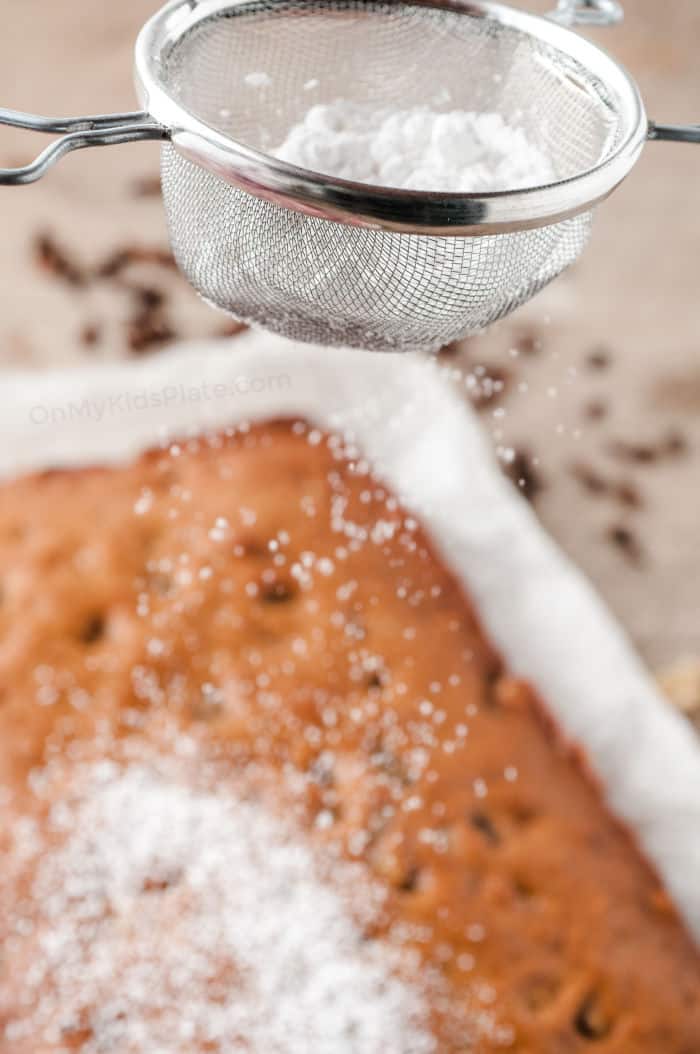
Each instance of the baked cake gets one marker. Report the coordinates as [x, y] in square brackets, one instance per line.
[267, 788]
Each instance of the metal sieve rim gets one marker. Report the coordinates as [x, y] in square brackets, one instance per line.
[364, 205]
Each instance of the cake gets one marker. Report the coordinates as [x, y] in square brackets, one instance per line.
[268, 788]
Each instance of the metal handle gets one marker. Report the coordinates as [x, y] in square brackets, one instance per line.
[588, 12]
[79, 133]
[675, 133]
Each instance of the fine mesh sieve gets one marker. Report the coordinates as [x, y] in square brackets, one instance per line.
[325, 260]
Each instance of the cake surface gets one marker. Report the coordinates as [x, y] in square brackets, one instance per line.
[236, 671]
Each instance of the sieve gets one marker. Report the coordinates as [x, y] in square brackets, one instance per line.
[335, 262]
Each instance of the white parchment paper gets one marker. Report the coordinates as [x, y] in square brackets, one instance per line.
[549, 624]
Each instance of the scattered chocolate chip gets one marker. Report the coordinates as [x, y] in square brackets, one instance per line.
[453, 348]
[591, 1022]
[627, 493]
[639, 453]
[522, 472]
[675, 444]
[90, 335]
[146, 187]
[598, 359]
[51, 257]
[528, 343]
[672, 445]
[626, 541]
[589, 479]
[120, 259]
[230, 329]
[147, 330]
[148, 297]
[486, 385]
[595, 410]
[594, 483]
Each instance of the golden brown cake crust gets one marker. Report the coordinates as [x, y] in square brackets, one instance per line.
[264, 592]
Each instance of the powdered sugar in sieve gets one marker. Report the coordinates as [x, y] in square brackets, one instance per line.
[415, 149]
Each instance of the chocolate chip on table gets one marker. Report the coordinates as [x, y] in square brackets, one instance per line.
[147, 330]
[598, 359]
[522, 472]
[595, 410]
[528, 343]
[486, 385]
[148, 327]
[230, 328]
[148, 297]
[56, 260]
[639, 453]
[590, 480]
[146, 187]
[90, 335]
[624, 539]
[671, 445]
[120, 259]
[627, 493]
[623, 491]
[675, 444]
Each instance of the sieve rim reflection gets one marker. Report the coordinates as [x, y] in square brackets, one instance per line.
[372, 206]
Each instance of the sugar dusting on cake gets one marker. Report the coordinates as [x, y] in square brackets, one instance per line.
[178, 919]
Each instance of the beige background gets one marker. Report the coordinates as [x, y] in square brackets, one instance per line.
[634, 296]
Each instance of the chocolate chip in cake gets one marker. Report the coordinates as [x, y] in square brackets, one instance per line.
[93, 629]
[277, 592]
[540, 991]
[481, 822]
[591, 1022]
[374, 680]
[409, 881]
[56, 260]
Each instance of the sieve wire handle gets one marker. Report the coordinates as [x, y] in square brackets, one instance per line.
[588, 12]
[76, 133]
[675, 133]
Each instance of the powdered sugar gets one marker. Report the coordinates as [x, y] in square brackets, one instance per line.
[175, 920]
[416, 149]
